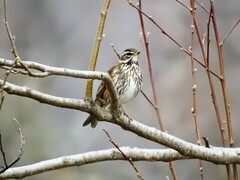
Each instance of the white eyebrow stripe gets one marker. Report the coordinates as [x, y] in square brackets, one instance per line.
[126, 52]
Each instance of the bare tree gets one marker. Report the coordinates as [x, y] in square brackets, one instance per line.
[205, 58]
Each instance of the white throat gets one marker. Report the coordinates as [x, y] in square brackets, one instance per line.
[135, 59]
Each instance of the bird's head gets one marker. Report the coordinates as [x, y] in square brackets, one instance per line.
[129, 56]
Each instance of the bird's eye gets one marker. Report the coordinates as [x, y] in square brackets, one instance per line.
[128, 55]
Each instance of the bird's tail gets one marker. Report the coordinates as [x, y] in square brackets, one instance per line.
[91, 119]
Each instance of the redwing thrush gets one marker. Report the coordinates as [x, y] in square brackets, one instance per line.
[127, 80]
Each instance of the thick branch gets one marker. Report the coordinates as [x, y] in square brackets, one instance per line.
[85, 105]
[135, 154]
[215, 155]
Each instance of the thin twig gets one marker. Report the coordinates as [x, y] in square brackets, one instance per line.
[227, 105]
[149, 63]
[222, 73]
[214, 99]
[12, 40]
[15, 54]
[202, 6]
[194, 81]
[146, 97]
[96, 46]
[212, 88]
[10, 36]
[194, 85]
[118, 55]
[213, 94]
[182, 4]
[20, 153]
[3, 152]
[226, 36]
[207, 144]
[172, 39]
[5, 20]
[124, 155]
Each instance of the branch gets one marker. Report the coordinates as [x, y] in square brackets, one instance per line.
[228, 34]
[227, 105]
[203, 7]
[44, 69]
[14, 49]
[21, 150]
[154, 92]
[194, 85]
[226, 102]
[99, 36]
[149, 65]
[212, 87]
[10, 36]
[117, 54]
[78, 104]
[172, 39]
[182, 4]
[129, 159]
[216, 155]
[136, 154]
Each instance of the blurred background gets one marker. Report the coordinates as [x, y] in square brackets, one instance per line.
[61, 33]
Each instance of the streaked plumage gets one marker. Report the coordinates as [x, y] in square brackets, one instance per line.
[127, 80]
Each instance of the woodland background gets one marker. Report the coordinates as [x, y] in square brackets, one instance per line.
[61, 33]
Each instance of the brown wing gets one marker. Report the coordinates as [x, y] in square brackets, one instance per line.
[102, 91]
[110, 71]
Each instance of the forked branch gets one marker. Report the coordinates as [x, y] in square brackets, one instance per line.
[21, 150]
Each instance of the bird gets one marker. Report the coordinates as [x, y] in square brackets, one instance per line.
[127, 80]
